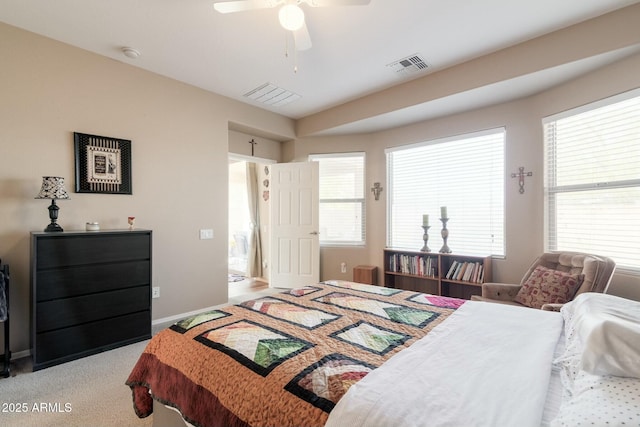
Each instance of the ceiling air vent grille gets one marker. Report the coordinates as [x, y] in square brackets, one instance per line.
[409, 65]
[270, 94]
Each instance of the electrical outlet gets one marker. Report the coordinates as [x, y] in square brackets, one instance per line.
[343, 267]
[206, 234]
[155, 292]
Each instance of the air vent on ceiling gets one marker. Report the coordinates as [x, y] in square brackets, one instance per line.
[409, 65]
[271, 94]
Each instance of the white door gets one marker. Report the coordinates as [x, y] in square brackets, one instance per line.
[294, 246]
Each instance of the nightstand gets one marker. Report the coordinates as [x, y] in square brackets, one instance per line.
[367, 274]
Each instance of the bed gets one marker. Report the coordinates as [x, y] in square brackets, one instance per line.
[339, 353]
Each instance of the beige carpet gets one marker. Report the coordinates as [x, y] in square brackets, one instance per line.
[85, 392]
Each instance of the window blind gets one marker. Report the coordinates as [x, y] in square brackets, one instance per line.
[342, 208]
[463, 173]
[592, 179]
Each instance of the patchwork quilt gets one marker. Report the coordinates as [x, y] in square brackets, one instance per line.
[280, 360]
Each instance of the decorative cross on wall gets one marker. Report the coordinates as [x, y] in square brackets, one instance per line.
[520, 175]
[253, 145]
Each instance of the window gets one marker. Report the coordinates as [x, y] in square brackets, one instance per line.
[592, 179]
[463, 173]
[341, 198]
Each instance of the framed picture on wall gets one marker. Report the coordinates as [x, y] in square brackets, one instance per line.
[103, 164]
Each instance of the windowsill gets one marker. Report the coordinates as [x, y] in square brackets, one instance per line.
[346, 245]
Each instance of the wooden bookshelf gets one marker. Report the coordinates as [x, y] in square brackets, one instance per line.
[451, 275]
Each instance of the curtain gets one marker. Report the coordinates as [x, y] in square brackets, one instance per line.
[254, 257]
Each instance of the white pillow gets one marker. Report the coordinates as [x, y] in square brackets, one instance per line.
[603, 335]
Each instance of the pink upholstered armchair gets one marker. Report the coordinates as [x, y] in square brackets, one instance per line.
[571, 273]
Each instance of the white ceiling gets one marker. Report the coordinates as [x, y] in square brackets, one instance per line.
[231, 54]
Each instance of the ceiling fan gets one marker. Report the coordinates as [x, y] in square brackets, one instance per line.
[291, 15]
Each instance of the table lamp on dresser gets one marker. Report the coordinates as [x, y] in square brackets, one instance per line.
[53, 188]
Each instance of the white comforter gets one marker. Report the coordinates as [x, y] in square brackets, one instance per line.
[486, 365]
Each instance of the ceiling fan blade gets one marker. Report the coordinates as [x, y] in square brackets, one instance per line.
[242, 5]
[302, 38]
[323, 3]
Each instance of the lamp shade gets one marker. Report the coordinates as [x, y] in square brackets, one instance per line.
[291, 17]
[52, 188]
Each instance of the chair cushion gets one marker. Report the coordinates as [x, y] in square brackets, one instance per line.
[547, 286]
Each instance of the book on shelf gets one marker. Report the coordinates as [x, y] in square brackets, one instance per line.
[466, 271]
[416, 265]
[456, 273]
[474, 274]
[472, 268]
[451, 270]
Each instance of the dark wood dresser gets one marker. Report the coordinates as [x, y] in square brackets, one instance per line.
[90, 292]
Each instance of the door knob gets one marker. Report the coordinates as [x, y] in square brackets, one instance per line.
[315, 233]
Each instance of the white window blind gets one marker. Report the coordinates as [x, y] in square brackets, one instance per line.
[592, 179]
[463, 173]
[341, 198]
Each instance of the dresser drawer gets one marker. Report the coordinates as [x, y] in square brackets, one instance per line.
[83, 280]
[65, 312]
[66, 344]
[58, 251]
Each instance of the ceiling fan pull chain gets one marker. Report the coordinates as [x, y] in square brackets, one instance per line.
[295, 54]
[286, 46]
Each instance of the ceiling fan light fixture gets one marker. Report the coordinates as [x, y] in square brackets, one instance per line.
[291, 17]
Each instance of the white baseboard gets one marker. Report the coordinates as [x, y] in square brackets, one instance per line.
[175, 318]
[169, 319]
[20, 354]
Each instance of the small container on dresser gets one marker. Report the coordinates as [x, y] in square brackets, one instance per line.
[90, 292]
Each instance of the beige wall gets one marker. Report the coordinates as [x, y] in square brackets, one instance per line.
[265, 148]
[524, 219]
[179, 138]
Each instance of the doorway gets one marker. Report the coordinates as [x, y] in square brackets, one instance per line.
[248, 233]
[239, 220]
